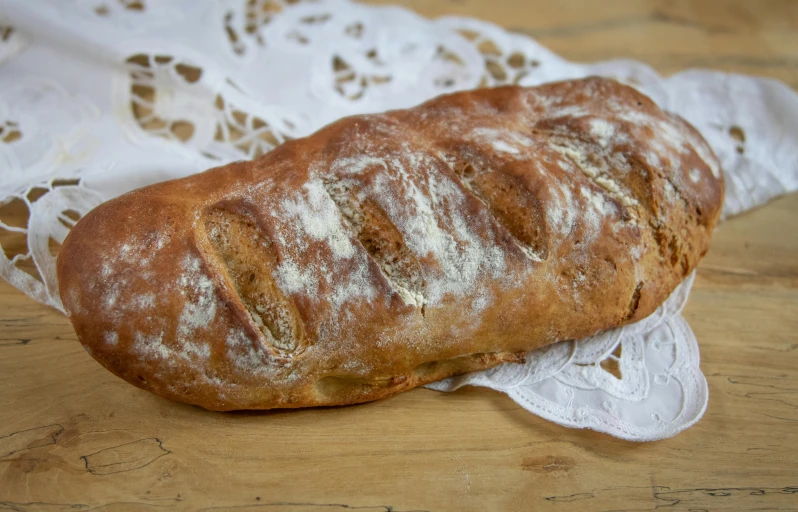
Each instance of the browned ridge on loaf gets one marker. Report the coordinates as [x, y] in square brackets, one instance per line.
[388, 251]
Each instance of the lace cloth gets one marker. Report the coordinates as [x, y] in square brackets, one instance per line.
[98, 97]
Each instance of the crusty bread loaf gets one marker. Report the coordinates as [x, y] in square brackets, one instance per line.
[388, 251]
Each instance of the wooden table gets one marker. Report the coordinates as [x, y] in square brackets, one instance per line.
[74, 437]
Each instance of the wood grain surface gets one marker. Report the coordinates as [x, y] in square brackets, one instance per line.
[74, 437]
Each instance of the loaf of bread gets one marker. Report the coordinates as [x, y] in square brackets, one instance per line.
[388, 251]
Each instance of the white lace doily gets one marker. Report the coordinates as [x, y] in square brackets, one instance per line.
[98, 97]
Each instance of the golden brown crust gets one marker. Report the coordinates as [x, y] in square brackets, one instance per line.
[388, 251]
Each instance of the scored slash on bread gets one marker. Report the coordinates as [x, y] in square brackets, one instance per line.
[388, 251]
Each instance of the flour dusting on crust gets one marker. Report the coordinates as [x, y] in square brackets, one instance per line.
[199, 309]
